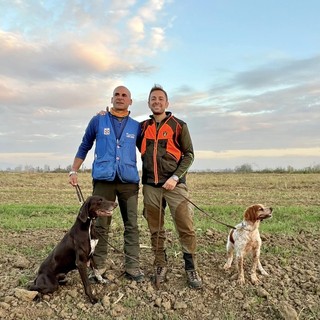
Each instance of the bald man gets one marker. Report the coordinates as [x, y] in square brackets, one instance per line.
[115, 177]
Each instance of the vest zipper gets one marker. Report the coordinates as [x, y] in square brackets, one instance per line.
[155, 166]
[155, 148]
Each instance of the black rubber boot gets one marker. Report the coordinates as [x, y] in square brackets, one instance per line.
[193, 278]
[189, 261]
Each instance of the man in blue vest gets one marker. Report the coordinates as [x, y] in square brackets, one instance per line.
[115, 175]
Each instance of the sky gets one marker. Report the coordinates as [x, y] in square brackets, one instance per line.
[244, 75]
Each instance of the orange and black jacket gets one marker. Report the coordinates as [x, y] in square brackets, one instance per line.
[166, 150]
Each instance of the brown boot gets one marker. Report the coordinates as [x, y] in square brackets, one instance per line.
[193, 279]
[160, 274]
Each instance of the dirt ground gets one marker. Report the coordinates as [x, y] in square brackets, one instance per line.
[292, 290]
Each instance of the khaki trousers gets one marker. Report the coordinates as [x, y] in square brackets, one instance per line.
[155, 201]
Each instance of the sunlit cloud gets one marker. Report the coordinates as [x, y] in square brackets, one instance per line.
[151, 9]
[136, 28]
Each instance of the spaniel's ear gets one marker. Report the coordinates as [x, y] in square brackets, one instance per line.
[251, 214]
[84, 212]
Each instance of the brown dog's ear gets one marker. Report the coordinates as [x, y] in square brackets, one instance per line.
[84, 211]
[251, 214]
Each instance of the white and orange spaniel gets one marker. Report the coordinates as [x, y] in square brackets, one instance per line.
[246, 239]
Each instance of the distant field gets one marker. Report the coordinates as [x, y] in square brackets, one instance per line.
[210, 189]
[223, 195]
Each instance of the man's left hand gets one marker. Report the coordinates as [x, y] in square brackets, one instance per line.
[170, 184]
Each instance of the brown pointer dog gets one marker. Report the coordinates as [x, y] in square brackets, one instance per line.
[74, 250]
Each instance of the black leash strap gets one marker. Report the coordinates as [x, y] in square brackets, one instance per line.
[79, 193]
[157, 277]
[207, 214]
[116, 249]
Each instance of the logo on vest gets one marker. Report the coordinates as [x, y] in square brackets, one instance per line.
[130, 135]
[106, 131]
[165, 133]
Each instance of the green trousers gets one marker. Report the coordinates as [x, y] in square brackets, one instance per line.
[126, 194]
[155, 201]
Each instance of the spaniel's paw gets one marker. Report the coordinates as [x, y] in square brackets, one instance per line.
[241, 281]
[255, 280]
[227, 266]
[264, 272]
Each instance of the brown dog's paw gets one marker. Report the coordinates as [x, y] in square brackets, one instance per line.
[94, 300]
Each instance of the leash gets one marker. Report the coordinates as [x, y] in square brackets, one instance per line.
[81, 200]
[157, 278]
[79, 193]
[116, 249]
[207, 214]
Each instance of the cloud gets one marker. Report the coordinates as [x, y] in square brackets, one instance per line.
[280, 73]
[33, 61]
[151, 9]
[70, 43]
[258, 153]
[68, 56]
[136, 28]
[282, 114]
[60, 63]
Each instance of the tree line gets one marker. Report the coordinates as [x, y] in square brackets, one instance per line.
[244, 168]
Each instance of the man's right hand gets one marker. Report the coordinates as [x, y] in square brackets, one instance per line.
[73, 178]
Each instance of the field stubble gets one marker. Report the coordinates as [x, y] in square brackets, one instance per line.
[289, 253]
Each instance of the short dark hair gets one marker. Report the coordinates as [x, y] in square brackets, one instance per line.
[157, 87]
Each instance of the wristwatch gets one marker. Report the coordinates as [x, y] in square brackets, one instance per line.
[71, 173]
[175, 178]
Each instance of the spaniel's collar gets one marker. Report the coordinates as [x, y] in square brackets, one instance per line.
[244, 226]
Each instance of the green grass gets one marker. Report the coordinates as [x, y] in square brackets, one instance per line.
[285, 220]
[23, 217]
